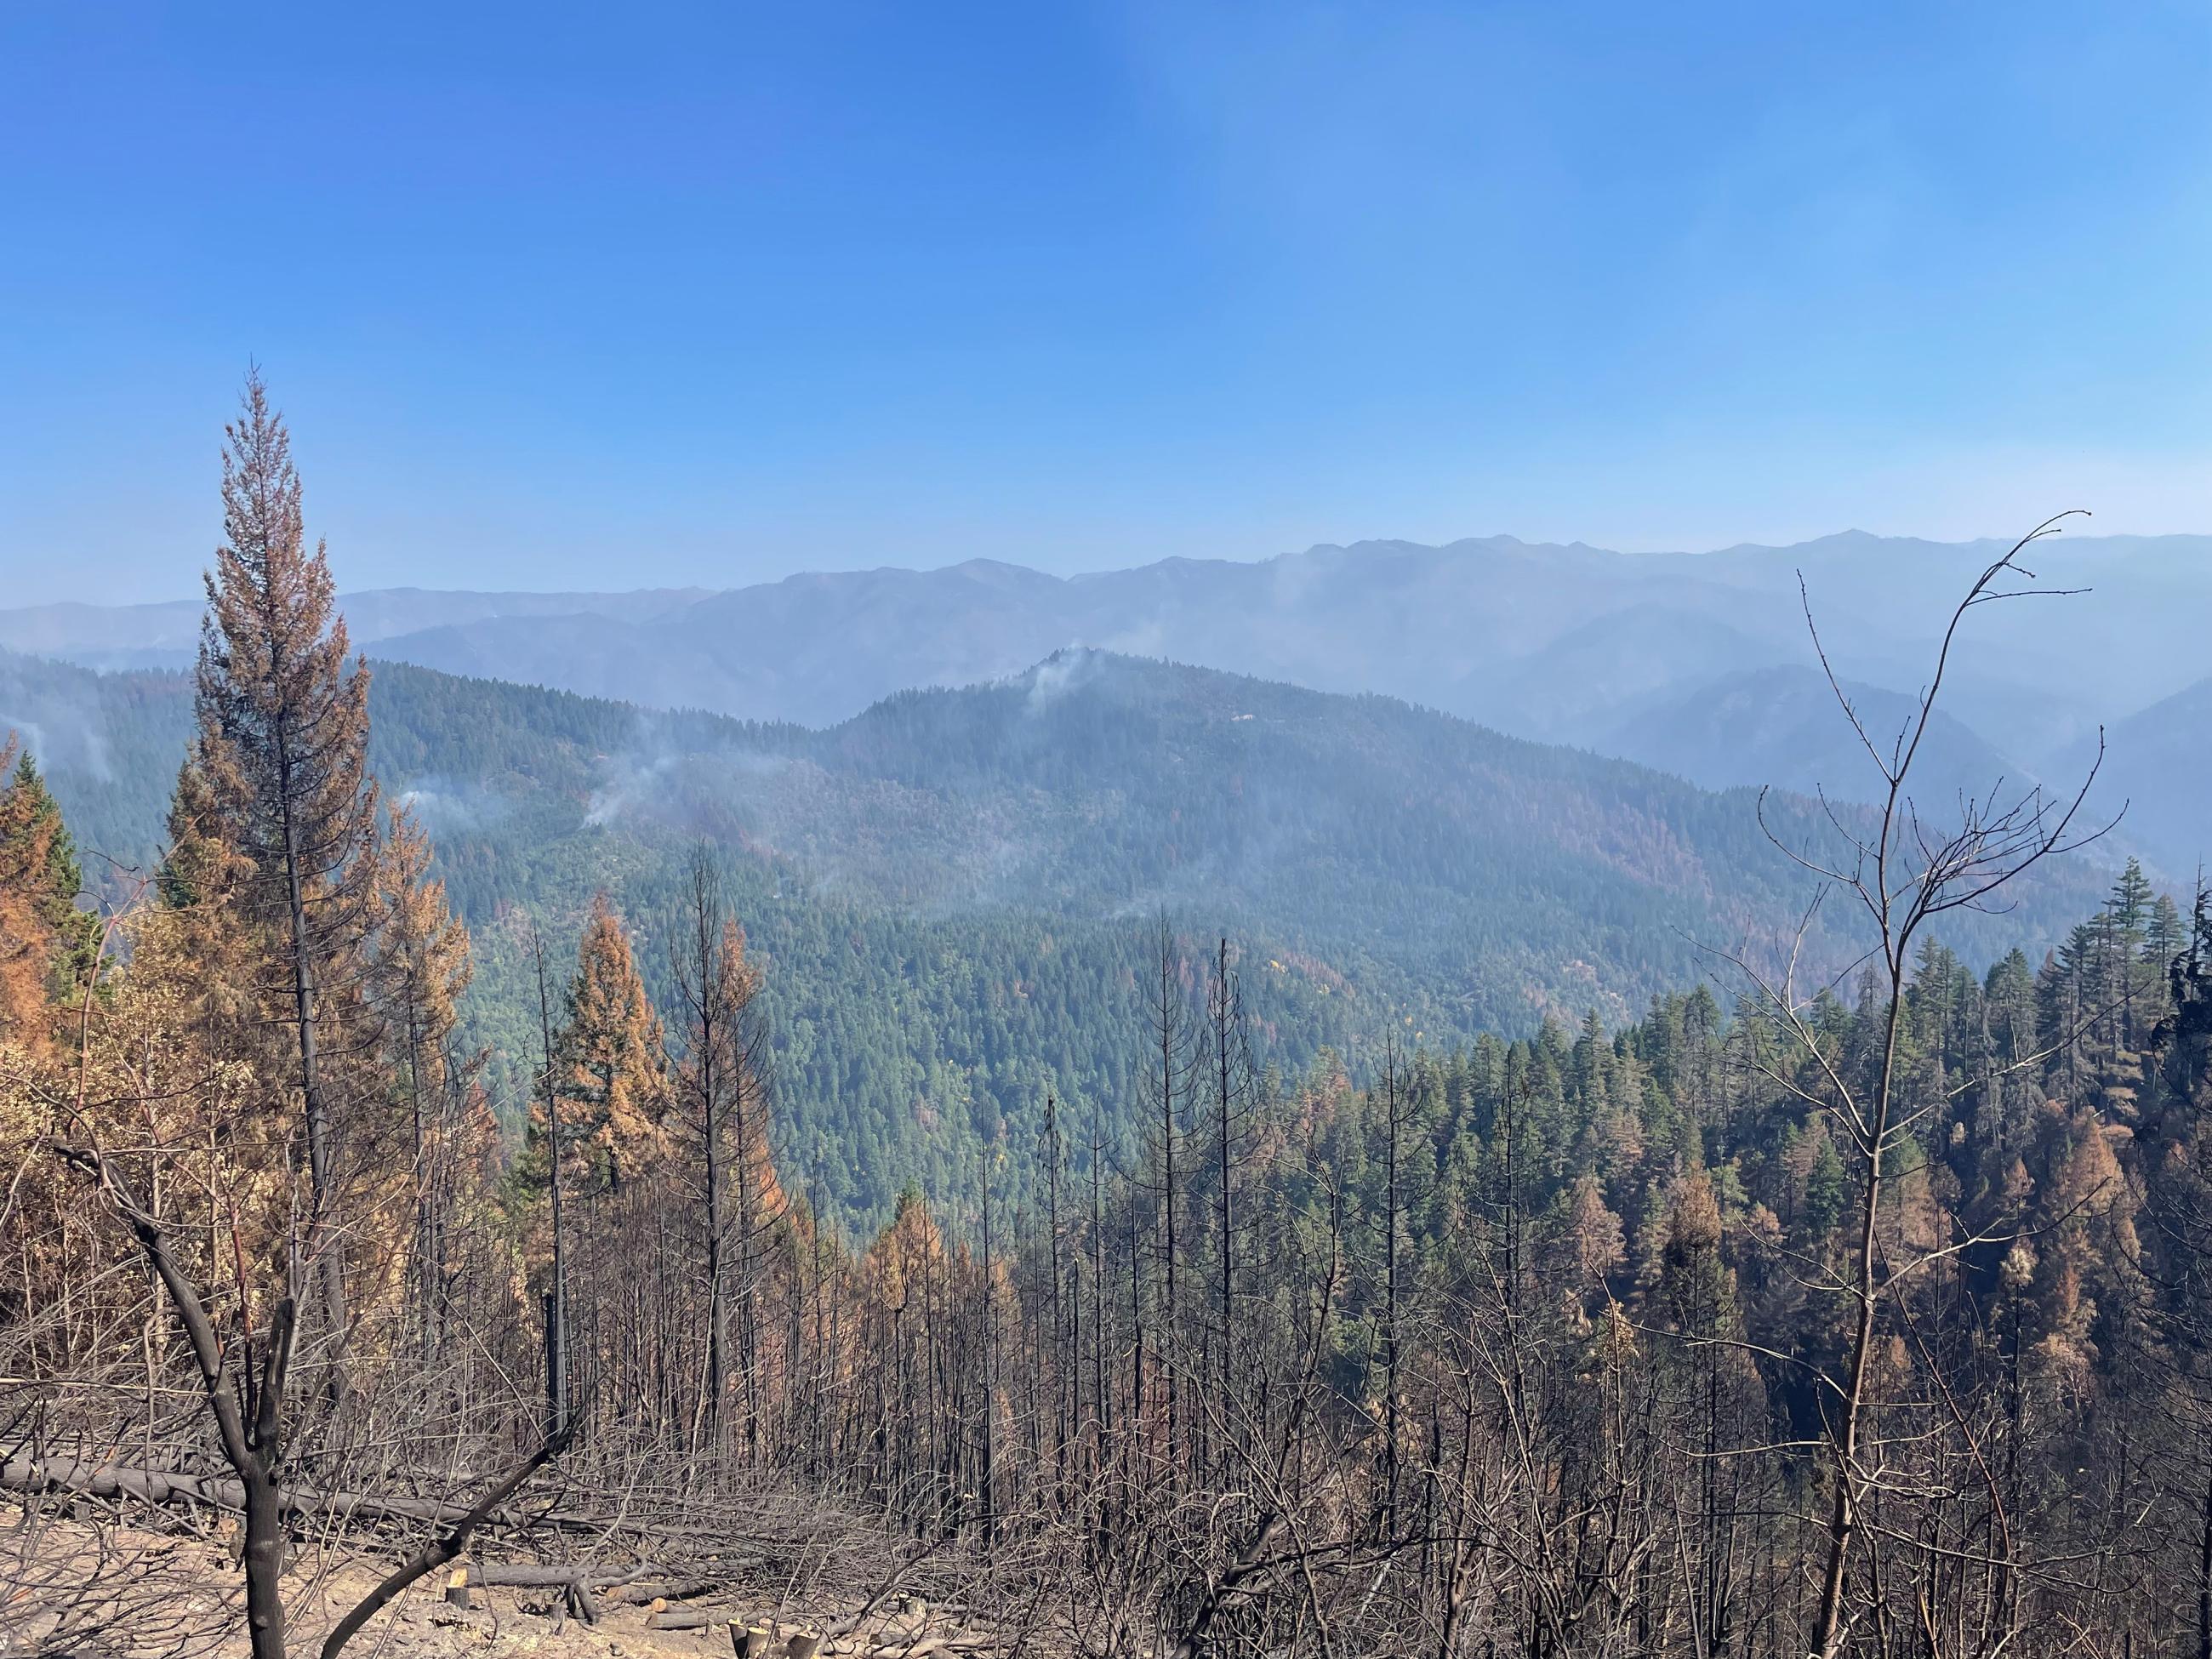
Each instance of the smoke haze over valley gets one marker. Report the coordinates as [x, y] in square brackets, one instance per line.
[1696, 664]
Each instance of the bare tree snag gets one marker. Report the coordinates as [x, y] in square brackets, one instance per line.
[1905, 872]
[247, 1410]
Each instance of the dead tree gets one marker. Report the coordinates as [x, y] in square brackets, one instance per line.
[715, 985]
[247, 1402]
[278, 770]
[1169, 1077]
[1905, 872]
[1229, 1063]
[556, 1299]
[1398, 1112]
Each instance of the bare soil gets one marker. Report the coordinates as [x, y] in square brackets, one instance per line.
[109, 1591]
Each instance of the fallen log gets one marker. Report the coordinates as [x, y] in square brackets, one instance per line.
[663, 1617]
[165, 1486]
[629, 1582]
[683, 1589]
[39, 1474]
[524, 1574]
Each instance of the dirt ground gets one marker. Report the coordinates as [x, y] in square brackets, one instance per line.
[112, 1592]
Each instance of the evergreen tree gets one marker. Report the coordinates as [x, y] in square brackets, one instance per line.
[48, 946]
[610, 1059]
[278, 775]
[2131, 908]
[2178, 1174]
[2165, 938]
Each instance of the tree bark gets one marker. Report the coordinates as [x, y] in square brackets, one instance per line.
[325, 1258]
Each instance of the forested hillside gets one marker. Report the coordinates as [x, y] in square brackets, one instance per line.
[1084, 831]
[891, 1192]
[954, 888]
[1180, 1164]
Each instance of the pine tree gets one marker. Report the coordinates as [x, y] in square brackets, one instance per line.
[278, 775]
[2180, 1203]
[48, 946]
[2184, 1038]
[2131, 907]
[611, 1058]
[2165, 938]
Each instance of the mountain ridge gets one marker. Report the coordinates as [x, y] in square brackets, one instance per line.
[1562, 642]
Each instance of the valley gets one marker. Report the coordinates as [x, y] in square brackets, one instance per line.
[954, 892]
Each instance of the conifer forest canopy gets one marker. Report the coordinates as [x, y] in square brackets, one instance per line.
[1114, 1158]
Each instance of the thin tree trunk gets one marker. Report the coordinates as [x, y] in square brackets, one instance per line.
[1842, 1512]
[325, 1254]
[556, 1324]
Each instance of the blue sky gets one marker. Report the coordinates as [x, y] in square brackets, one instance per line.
[599, 296]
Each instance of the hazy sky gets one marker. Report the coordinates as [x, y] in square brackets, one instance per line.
[621, 295]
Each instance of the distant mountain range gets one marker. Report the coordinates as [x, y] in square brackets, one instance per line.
[167, 634]
[1699, 664]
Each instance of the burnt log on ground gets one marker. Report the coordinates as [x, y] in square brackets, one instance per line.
[527, 1575]
[679, 1590]
[175, 1487]
[39, 1475]
[158, 1486]
[629, 1583]
[685, 1619]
